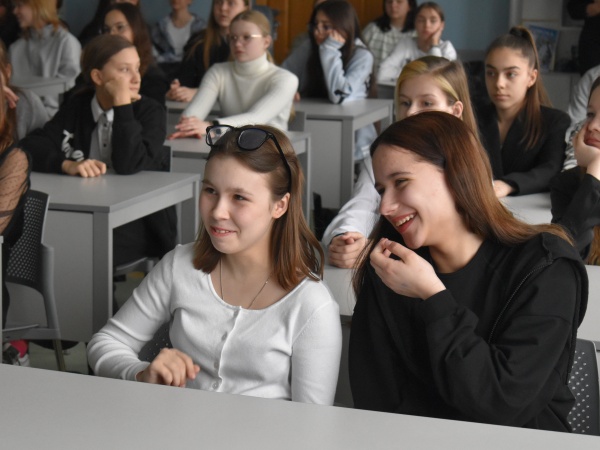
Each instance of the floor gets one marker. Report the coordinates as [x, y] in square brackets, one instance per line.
[75, 358]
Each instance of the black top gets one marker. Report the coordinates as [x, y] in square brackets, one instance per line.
[589, 39]
[192, 68]
[494, 347]
[575, 200]
[527, 170]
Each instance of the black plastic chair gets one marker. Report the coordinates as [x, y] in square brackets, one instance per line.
[31, 264]
[583, 382]
[159, 341]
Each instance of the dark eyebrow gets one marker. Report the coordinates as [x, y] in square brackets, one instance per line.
[237, 190]
[505, 68]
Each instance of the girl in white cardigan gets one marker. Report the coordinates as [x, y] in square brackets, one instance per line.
[250, 89]
[248, 313]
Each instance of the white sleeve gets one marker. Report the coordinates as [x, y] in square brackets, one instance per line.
[278, 96]
[390, 67]
[113, 351]
[70, 56]
[361, 212]
[208, 93]
[345, 83]
[448, 51]
[316, 356]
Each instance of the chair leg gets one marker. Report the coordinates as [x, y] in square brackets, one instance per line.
[60, 358]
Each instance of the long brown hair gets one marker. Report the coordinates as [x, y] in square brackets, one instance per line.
[594, 256]
[451, 78]
[8, 116]
[295, 252]
[447, 142]
[141, 36]
[521, 40]
[212, 37]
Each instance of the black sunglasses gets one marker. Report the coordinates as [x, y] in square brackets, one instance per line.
[249, 139]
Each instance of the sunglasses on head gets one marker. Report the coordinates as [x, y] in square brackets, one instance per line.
[249, 139]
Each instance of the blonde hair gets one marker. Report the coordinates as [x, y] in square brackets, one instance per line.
[258, 19]
[43, 11]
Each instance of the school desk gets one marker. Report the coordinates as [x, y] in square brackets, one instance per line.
[189, 155]
[332, 128]
[82, 214]
[43, 86]
[58, 410]
[532, 208]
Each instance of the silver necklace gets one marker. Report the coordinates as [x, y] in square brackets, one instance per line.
[221, 285]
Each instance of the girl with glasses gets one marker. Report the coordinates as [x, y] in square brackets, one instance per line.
[429, 26]
[335, 63]
[523, 135]
[109, 125]
[426, 84]
[125, 19]
[249, 89]
[46, 49]
[397, 20]
[208, 47]
[463, 312]
[246, 309]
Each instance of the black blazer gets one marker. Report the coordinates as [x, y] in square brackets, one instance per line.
[527, 170]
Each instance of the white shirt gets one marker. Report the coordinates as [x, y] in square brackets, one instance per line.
[178, 37]
[289, 350]
[253, 92]
[101, 144]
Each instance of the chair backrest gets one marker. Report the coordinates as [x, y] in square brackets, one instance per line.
[583, 382]
[25, 262]
[159, 341]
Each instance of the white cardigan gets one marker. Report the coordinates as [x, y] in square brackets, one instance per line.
[253, 92]
[289, 350]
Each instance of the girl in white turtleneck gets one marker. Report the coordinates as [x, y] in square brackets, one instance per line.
[250, 89]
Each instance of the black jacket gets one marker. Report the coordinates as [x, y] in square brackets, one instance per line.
[576, 206]
[504, 359]
[529, 171]
[138, 135]
[589, 39]
[192, 67]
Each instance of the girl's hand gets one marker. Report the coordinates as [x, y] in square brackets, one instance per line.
[336, 36]
[88, 168]
[190, 127]
[10, 96]
[118, 89]
[343, 251]
[180, 93]
[171, 368]
[410, 276]
[502, 189]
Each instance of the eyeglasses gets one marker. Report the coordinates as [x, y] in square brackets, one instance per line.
[244, 39]
[118, 28]
[249, 139]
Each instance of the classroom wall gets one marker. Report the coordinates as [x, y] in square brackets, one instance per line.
[470, 24]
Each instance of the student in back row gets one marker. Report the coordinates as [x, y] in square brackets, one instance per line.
[46, 49]
[110, 126]
[249, 89]
[523, 135]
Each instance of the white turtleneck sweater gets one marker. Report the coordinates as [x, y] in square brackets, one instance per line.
[253, 92]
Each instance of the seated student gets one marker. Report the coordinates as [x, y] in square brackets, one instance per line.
[248, 313]
[205, 48]
[463, 312]
[46, 49]
[14, 183]
[575, 193]
[382, 35]
[523, 135]
[125, 19]
[170, 34]
[26, 112]
[110, 126]
[335, 63]
[429, 25]
[428, 83]
[250, 89]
